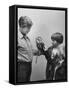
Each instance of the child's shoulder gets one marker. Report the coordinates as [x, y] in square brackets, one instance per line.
[62, 49]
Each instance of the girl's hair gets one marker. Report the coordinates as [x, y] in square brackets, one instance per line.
[25, 21]
[58, 37]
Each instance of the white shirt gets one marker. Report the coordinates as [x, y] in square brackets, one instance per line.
[25, 52]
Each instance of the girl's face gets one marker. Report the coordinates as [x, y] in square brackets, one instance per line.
[54, 43]
[24, 30]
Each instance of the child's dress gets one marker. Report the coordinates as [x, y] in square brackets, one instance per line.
[55, 63]
[58, 56]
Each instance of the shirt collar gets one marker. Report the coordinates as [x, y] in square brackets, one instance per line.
[24, 37]
[21, 36]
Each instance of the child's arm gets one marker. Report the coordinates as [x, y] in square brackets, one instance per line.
[22, 50]
[47, 54]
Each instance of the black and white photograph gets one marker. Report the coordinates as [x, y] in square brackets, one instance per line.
[41, 45]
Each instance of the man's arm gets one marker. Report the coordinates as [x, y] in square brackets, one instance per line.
[23, 50]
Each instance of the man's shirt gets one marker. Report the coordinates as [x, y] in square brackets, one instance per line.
[25, 51]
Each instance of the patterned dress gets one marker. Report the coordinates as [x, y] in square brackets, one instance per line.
[55, 63]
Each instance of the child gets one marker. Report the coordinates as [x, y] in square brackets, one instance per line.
[55, 58]
[25, 51]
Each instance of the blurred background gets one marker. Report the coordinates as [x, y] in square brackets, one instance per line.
[45, 23]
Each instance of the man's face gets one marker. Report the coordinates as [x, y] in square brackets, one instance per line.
[24, 30]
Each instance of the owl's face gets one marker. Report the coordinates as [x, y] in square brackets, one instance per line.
[39, 43]
[39, 40]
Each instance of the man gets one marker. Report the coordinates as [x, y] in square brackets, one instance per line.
[25, 51]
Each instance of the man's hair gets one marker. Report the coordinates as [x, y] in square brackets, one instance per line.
[58, 37]
[25, 21]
